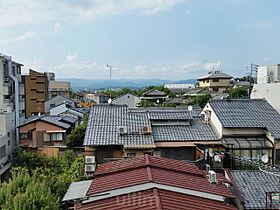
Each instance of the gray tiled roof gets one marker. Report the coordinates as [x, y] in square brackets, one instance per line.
[81, 110]
[215, 75]
[104, 121]
[253, 185]
[56, 120]
[197, 131]
[153, 93]
[244, 113]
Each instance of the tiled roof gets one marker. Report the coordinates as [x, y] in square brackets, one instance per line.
[105, 120]
[215, 75]
[81, 110]
[197, 131]
[247, 113]
[156, 199]
[153, 93]
[56, 120]
[131, 172]
[252, 186]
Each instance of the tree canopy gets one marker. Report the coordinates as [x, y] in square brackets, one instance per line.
[238, 92]
[39, 182]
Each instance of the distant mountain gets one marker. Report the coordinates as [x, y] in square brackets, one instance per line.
[81, 84]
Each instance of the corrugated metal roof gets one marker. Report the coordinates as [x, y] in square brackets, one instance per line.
[77, 190]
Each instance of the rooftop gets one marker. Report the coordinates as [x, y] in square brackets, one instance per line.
[153, 93]
[252, 186]
[168, 124]
[215, 75]
[247, 113]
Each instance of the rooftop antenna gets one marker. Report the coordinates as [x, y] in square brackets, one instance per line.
[110, 68]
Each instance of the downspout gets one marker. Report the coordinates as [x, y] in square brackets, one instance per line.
[10, 68]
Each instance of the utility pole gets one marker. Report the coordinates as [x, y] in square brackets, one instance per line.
[110, 67]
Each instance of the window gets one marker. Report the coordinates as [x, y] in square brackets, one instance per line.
[130, 154]
[57, 136]
[3, 151]
[47, 137]
[52, 105]
[24, 135]
[215, 89]
[215, 80]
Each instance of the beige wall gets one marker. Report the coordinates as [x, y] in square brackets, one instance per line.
[210, 83]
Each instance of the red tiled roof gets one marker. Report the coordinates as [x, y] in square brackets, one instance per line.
[143, 161]
[141, 170]
[156, 199]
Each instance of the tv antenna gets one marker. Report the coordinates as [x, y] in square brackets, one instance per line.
[110, 68]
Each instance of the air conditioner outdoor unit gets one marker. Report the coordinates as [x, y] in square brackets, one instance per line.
[146, 130]
[212, 176]
[207, 167]
[89, 168]
[122, 130]
[90, 159]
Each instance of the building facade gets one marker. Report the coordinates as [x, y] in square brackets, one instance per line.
[36, 92]
[268, 74]
[215, 81]
[60, 88]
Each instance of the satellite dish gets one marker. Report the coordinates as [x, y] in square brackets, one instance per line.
[190, 108]
[265, 158]
[110, 101]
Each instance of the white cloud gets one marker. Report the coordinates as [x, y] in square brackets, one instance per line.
[26, 35]
[70, 58]
[18, 12]
[212, 66]
[57, 27]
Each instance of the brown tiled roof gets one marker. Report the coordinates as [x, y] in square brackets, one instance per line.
[156, 199]
[145, 169]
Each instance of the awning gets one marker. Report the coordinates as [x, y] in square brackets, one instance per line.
[56, 131]
[247, 142]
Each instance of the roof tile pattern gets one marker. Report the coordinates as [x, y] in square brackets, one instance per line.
[105, 120]
[252, 113]
[158, 170]
[153, 93]
[156, 199]
[252, 186]
[215, 75]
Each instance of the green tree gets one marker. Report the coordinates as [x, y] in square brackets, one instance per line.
[202, 99]
[145, 103]
[27, 192]
[238, 92]
[76, 137]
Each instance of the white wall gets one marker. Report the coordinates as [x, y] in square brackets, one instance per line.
[214, 120]
[268, 91]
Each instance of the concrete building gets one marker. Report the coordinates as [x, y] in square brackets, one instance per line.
[215, 81]
[60, 88]
[36, 92]
[12, 108]
[268, 74]
[269, 92]
[128, 99]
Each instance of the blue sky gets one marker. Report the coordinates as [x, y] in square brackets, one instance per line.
[164, 39]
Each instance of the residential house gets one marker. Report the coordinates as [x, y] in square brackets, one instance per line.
[115, 131]
[255, 189]
[57, 100]
[190, 95]
[36, 92]
[269, 92]
[60, 88]
[248, 127]
[154, 96]
[68, 110]
[45, 134]
[179, 88]
[215, 81]
[149, 182]
[97, 98]
[128, 99]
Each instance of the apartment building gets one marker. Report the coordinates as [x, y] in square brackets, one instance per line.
[12, 109]
[36, 91]
[60, 88]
